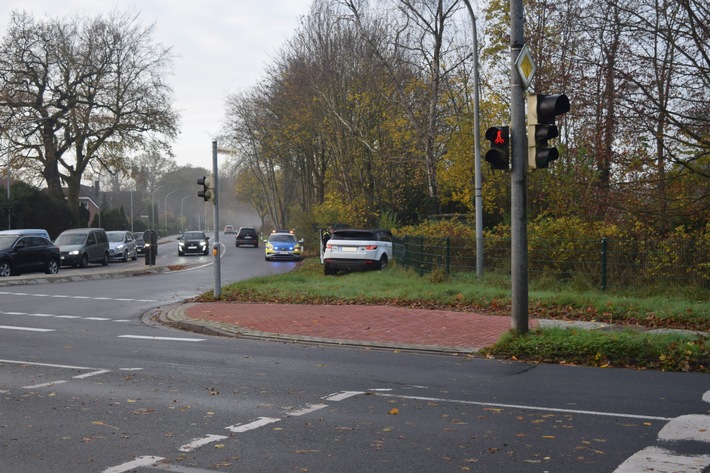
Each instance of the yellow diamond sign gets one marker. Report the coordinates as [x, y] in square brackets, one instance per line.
[526, 66]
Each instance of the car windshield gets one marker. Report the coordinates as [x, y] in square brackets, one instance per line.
[115, 236]
[283, 238]
[71, 239]
[194, 236]
[138, 236]
[6, 242]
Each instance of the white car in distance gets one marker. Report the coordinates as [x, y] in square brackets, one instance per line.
[357, 249]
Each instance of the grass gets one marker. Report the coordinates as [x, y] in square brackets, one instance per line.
[491, 296]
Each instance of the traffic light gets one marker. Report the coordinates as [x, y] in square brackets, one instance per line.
[542, 110]
[207, 191]
[499, 154]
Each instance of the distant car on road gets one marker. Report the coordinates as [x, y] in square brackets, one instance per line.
[247, 236]
[25, 253]
[229, 229]
[81, 246]
[121, 245]
[195, 242]
[357, 249]
[283, 245]
[140, 243]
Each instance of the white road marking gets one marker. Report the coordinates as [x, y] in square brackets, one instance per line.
[93, 373]
[342, 395]
[307, 410]
[137, 463]
[662, 460]
[65, 296]
[45, 385]
[197, 443]
[49, 365]
[172, 339]
[260, 422]
[69, 317]
[533, 408]
[27, 329]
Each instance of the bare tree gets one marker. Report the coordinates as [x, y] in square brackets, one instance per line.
[84, 90]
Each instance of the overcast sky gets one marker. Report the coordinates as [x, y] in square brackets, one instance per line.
[220, 46]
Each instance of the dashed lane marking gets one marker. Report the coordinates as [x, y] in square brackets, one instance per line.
[173, 339]
[60, 316]
[260, 422]
[197, 443]
[26, 329]
[65, 296]
[137, 463]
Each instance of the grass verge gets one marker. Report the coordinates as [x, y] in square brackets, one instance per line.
[632, 348]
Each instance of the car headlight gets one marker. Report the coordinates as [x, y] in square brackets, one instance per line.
[74, 252]
[203, 243]
[119, 247]
[269, 246]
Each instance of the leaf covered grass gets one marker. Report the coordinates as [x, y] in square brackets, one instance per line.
[491, 296]
[624, 349]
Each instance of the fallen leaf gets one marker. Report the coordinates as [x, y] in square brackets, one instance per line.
[394, 411]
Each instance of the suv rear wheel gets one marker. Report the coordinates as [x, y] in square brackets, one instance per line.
[383, 262]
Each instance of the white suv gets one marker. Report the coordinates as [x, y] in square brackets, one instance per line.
[354, 249]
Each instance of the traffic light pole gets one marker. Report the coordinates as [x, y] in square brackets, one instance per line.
[518, 210]
[216, 247]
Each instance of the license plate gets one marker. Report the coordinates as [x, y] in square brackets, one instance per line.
[284, 252]
[191, 247]
[348, 248]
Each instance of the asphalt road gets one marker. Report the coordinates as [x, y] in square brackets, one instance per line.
[87, 384]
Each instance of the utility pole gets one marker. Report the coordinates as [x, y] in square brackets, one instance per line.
[518, 184]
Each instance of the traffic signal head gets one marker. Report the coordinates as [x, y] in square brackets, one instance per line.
[542, 110]
[499, 154]
[207, 191]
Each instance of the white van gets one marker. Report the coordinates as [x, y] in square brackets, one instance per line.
[27, 232]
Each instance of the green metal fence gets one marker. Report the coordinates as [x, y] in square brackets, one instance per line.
[605, 263]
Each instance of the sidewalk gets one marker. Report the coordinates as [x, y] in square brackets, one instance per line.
[347, 325]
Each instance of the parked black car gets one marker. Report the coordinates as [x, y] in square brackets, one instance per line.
[193, 242]
[26, 253]
[247, 236]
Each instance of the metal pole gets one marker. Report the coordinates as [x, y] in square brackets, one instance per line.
[152, 205]
[518, 186]
[7, 185]
[165, 211]
[478, 185]
[216, 248]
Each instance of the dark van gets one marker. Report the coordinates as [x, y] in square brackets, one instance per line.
[82, 246]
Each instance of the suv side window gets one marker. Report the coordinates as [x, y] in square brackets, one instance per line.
[91, 240]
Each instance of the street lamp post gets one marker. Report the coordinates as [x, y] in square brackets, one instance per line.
[478, 198]
[152, 205]
[182, 214]
[165, 210]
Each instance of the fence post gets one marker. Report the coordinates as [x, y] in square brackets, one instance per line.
[604, 264]
[405, 256]
[420, 265]
[448, 256]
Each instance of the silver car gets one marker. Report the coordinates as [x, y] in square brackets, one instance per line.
[121, 246]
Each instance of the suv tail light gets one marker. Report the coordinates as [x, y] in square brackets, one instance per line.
[371, 247]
